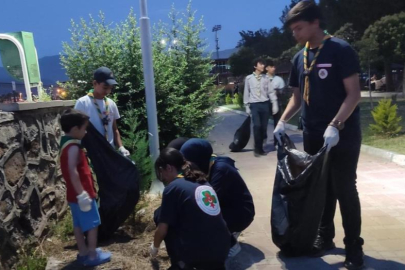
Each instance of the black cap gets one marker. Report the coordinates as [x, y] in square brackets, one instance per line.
[104, 75]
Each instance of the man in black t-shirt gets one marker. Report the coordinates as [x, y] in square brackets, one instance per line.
[326, 87]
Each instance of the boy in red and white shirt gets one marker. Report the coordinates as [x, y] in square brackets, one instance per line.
[80, 189]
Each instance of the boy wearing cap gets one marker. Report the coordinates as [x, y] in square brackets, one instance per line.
[103, 112]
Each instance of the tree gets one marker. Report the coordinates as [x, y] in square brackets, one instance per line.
[290, 53]
[347, 33]
[368, 55]
[241, 62]
[184, 89]
[389, 35]
[361, 13]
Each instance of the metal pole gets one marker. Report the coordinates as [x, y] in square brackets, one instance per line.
[369, 85]
[23, 64]
[217, 47]
[146, 44]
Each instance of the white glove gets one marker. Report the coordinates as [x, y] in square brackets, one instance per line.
[84, 201]
[274, 107]
[153, 250]
[248, 109]
[331, 137]
[124, 151]
[279, 131]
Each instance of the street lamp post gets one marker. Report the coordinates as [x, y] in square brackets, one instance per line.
[146, 44]
[215, 29]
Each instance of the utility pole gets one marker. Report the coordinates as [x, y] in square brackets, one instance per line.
[146, 44]
[215, 29]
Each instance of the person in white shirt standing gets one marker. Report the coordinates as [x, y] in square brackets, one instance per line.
[256, 100]
[103, 112]
[276, 89]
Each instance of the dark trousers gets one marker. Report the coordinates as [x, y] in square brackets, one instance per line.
[341, 182]
[260, 116]
[276, 117]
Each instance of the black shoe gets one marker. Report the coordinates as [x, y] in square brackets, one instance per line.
[354, 254]
[259, 153]
[321, 246]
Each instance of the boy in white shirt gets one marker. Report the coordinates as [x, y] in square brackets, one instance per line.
[103, 112]
[276, 87]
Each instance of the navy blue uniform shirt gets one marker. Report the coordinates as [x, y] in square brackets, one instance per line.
[337, 61]
[234, 196]
[193, 210]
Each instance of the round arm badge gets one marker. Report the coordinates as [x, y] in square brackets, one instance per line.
[323, 73]
[207, 200]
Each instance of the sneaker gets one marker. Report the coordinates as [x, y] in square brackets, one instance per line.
[82, 259]
[354, 254]
[101, 258]
[234, 250]
[259, 153]
[321, 246]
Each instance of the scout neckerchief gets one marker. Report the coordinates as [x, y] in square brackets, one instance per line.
[66, 141]
[104, 119]
[307, 70]
[213, 158]
[258, 87]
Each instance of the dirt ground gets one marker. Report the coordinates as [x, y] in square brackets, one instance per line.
[129, 246]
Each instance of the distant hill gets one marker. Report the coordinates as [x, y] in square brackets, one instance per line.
[51, 71]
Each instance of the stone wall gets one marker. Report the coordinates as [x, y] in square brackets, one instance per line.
[32, 191]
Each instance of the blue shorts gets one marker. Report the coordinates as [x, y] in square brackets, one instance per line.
[85, 220]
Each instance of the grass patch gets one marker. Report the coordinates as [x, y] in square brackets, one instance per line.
[395, 144]
[63, 229]
[32, 262]
[29, 257]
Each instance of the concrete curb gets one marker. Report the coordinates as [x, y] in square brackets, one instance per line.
[373, 151]
[384, 154]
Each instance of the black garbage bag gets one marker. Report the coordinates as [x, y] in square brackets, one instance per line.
[241, 137]
[118, 180]
[298, 198]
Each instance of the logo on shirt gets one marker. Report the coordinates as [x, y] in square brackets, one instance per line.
[323, 74]
[207, 200]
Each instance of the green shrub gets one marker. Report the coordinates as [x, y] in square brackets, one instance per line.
[235, 99]
[228, 99]
[185, 94]
[239, 100]
[136, 142]
[386, 119]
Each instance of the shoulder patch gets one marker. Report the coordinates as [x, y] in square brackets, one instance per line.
[207, 200]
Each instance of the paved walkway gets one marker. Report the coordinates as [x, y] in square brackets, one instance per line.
[382, 192]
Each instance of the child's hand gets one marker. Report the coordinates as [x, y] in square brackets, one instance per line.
[153, 250]
[84, 201]
[124, 151]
